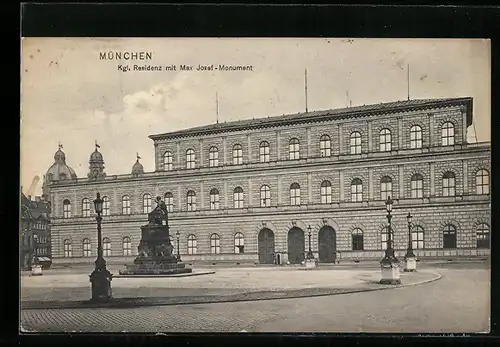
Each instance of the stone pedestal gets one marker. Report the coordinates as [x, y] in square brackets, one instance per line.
[36, 270]
[155, 249]
[310, 263]
[390, 272]
[411, 264]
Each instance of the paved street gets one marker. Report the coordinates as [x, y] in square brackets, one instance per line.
[458, 302]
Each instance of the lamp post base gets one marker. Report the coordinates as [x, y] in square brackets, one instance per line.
[411, 264]
[36, 270]
[310, 263]
[101, 285]
[390, 271]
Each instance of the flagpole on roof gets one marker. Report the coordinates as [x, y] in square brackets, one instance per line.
[305, 86]
[408, 80]
[217, 106]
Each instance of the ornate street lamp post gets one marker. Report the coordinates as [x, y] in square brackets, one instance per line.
[35, 249]
[178, 234]
[36, 268]
[411, 259]
[100, 277]
[309, 262]
[389, 264]
[310, 254]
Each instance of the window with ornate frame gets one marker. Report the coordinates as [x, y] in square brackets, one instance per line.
[295, 194]
[325, 146]
[214, 244]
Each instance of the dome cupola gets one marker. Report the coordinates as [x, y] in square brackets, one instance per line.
[59, 171]
[137, 169]
[96, 164]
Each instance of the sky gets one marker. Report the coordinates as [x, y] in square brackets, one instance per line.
[70, 96]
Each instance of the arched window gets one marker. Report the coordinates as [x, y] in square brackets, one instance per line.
[448, 134]
[325, 146]
[415, 137]
[68, 251]
[482, 182]
[213, 157]
[147, 203]
[214, 244]
[449, 236]
[483, 236]
[355, 143]
[106, 247]
[191, 201]
[417, 237]
[169, 201]
[87, 248]
[326, 192]
[127, 246]
[385, 140]
[417, 186]
[190, 159]
[167, 161]
[357, 239]
[449, 184]
[356, 190]
[66, 209]
[126, 204]
[214, 199]
[264, 152]
[106, 210]
[385, 187]
[191, 244]
[295, 194]
[239, 243]
[238, 197]
[237, 154]
[265, 196]
[86, 207]
[294, 149]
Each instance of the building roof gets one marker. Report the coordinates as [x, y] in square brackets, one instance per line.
[34, 209]
[318, 116]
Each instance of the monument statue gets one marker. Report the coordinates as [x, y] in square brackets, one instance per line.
[155, 249]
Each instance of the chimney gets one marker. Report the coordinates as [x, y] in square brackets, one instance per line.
[29, 197]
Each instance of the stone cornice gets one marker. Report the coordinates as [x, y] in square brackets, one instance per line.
[278, 212]
[321, 116]
[374, 159]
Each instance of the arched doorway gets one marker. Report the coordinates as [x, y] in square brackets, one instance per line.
[295, 246]
[266, 246]
[327, 245]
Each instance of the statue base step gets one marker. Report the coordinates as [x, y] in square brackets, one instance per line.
[155, 268]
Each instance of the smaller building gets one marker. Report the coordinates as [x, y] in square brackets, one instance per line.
[35, 232]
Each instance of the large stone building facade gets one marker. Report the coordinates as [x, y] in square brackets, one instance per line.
[247, 191]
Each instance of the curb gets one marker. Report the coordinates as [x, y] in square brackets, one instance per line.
[244, 297]
[188, 274]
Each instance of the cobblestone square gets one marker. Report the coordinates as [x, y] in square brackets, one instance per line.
[462, 289]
